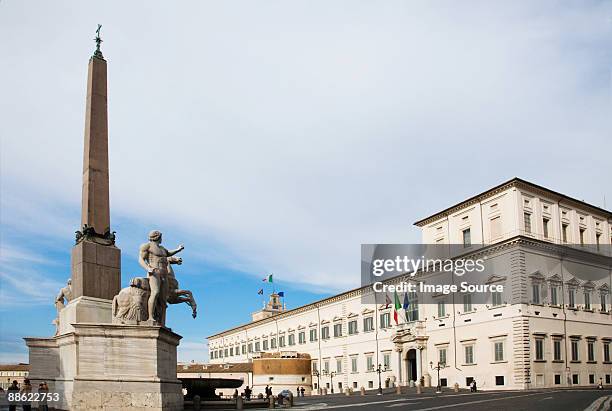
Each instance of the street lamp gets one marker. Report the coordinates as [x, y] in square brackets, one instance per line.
[437, 367]
[379, 370]
[331, 377]
[317, 374]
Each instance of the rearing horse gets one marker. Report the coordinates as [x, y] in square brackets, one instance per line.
[176, 295]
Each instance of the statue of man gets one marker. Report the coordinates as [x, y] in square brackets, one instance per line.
[154, 258]
[65, 293]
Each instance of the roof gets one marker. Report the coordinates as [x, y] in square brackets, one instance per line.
[15, 367]
[215, 368]
[514, 182]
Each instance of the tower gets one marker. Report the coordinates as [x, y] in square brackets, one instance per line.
[96, 262]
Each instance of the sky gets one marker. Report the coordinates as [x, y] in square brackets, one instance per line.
[276, 137]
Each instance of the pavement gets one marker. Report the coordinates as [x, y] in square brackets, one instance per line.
[540, 400]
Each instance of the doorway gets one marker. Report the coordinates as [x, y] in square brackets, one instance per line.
[411, 358]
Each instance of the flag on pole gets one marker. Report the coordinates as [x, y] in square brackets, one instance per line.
[268, 279]
[405, 306]
[387, 300]
[260, 292]
[281, 293]
[396, 307]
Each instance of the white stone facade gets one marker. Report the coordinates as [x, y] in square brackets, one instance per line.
[525, 338]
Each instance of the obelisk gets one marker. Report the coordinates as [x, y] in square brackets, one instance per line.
[96, 262]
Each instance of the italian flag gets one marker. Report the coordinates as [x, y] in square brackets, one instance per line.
[268, 279]
[397, 305]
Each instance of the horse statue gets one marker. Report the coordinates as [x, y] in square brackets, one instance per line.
[175, 294]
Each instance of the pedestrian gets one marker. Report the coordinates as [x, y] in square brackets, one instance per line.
[303, 389]
[473, 387]
[266, 391]
[298, 391]
[236, 393]
[26, 392]
[247, 393]
[600, 385]
[43, 390]
[12, 389]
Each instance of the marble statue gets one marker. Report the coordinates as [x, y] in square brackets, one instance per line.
[154, 259]
[65, 294]
[175, 294]
[130, 305]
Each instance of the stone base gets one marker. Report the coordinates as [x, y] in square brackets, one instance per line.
[84, 310]
[109, 367]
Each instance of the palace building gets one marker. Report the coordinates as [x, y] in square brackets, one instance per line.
[550, 327]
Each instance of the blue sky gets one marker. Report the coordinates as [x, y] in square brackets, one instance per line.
[278, 136]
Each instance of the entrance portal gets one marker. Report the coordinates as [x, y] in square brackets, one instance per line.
[412, 365]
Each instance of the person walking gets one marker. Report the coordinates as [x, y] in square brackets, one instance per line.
[26, 392]
[43, 390]
[247, 393]
[12, 389]
[302, 390]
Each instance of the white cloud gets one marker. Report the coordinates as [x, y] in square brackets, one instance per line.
[279, 136]
[189, 351]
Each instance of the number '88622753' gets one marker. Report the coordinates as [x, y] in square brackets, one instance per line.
[32, 396]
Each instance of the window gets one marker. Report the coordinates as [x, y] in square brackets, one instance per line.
[244, 348]
[603, 301]
[225, 352]
[591, 378]
[352, 327]
[325, 332]
[469, 354]
[598, 240]
[587, 300]
[250, 347]
[231, 351]
[527, 220]
[564, 232]
[326, 367]
[467, 303]
[313, 334]
[338, 330]
[257, 346]
[370, 363]
[557, 379]
[315, 366]
[353, 364]
[590, 351]
[606, 351]
[370, 384]
[442, 356]
[496, 299]
[496, 227]
[539, 349]
[571, 294]
[385, 320]
[535, 293]
[554, 300]
[575, 356]
[265, 345]
[499, 350]
[281, 341]
[607, 378]
[441, 308]
[339, 365]
[387, 361]
[557, 350]
[413, 307]
[499, 380]
[302, 337]
[582, 230]
[368, 324]
[291, 339]
[467, 238]
[273, 343]
[545, 225]
[575, 379]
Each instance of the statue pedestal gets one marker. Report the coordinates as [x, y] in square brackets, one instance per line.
[84, 310]
[109, 367]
